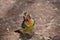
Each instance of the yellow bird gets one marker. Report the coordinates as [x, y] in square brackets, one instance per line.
[27, 24]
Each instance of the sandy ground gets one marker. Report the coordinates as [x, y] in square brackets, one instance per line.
[45, 13]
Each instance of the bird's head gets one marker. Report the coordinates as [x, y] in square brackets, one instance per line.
[28, 19]
[27, 16]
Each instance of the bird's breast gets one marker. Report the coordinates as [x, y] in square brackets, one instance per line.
[29, 23]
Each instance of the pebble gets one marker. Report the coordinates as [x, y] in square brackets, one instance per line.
[56, 9]
[8, 29]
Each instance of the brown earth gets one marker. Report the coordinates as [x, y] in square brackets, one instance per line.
[45, 13]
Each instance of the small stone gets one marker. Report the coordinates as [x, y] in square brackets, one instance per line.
[46, 38]
[55, 8]
[0, 24]
[36, 33]
[38, 4]
[40, 18]
[19, 39]
[8, 29]
[48, 1]
[12, 1]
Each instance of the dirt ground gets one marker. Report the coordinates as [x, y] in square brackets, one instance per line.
[46, 14]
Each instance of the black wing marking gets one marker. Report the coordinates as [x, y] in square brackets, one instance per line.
[23, 25]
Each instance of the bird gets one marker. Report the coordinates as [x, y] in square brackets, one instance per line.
[27, 24]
